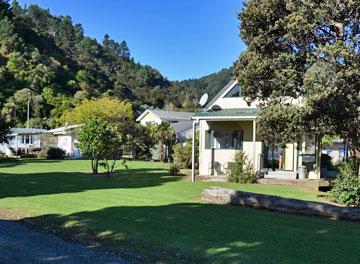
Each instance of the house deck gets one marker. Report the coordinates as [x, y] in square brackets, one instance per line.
[315, 185]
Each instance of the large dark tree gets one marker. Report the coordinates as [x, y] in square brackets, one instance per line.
[308, 53]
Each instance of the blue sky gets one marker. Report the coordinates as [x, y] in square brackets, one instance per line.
[181, 38]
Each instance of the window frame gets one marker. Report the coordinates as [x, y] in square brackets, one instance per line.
[210, 143]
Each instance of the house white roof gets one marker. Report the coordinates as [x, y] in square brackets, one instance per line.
[62, 130]
[19, 130]
[167, 115]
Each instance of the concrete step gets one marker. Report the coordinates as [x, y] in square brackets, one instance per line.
[211, 178]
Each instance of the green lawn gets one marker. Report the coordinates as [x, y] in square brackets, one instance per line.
[144, 210]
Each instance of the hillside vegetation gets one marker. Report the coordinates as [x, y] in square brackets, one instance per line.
[50, 60]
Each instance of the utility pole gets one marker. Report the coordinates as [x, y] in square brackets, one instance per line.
[28, 111]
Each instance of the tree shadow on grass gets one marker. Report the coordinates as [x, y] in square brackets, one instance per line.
[17, 162]
[31, 184]
[195, 232]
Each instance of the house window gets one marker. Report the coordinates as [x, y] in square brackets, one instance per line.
[26, 139]
[223, 139]
[234, 92]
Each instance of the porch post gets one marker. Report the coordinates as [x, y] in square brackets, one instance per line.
[193, 151]
[254, 144]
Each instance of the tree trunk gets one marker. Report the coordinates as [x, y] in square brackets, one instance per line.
[355, 155]
[95, 165]
[161, 150]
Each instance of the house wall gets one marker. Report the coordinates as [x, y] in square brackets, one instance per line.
[233, 102]
[16, 142]
[223, 156]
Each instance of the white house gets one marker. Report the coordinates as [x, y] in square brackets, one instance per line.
[66, 139]
[23, 141]
[228, 124]
[180, 121]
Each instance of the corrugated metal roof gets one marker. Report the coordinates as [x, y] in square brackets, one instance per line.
[182, 126]
[172, 115]
[232, 112]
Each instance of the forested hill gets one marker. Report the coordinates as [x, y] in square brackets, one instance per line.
[50, 58]
[210, 84]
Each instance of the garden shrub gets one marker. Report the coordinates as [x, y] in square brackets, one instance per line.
[182, 155]
[51, 153]
[174, 169]
[346, 189]
[5, 158]
[242, 171]
[55, 153]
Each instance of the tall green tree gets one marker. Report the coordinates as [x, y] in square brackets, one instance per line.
[303, 53]
[97, 140]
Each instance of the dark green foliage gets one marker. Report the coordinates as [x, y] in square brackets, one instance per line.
[272, 121]
[51, 153]
[304, 51]
[346, 189]
[5, 158]
[241, 171]
[97, 140]
[194, 88]
[4, 130]
[50, 56]
[326, 161]
[55, 153]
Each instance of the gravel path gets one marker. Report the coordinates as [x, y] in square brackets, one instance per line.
[19, 244]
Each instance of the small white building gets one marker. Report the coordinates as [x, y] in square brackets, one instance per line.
[179, 121]
[228, 124]
[66, 139]
[23, 141]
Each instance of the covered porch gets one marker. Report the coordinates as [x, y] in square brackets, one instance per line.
[221, 136]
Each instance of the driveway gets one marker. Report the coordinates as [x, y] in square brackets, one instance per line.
[19, 244]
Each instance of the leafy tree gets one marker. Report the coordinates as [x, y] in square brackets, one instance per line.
[5, 9]
[306, 52]
[52, 56]
[4, 130]
[164, 134]
[111, 110]
[8, 37]
[96, 141]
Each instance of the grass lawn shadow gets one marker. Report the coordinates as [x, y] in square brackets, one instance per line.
[195, 233]
[31, 184]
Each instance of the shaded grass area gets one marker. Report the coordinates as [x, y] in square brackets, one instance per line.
[145, 211]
